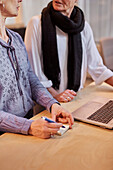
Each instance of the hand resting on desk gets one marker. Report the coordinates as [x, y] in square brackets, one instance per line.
[66, 96]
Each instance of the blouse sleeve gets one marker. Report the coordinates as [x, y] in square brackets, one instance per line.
[14, 124]
[33, 46]
[96, 68]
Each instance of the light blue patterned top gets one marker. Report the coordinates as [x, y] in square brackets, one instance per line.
[19, 86]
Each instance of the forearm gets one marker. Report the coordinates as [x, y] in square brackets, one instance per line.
[110, 81]
[52, 91]
[14, 124]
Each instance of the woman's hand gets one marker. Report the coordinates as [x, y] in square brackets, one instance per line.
[65, 96]
[59, 114]
[42, 129]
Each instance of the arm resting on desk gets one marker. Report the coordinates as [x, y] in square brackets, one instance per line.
[66, 96]
[14, 124]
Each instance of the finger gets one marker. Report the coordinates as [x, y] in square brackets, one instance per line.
[71, 119]
[69, 122]
[50, 132]
[47, 132]
[65, 121]
[62, 120]
[72, 92]
[53, 131]
[68, 96]
[54, 125]
[62, 99]
[49, 135]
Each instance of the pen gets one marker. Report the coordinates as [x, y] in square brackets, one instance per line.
[50, 121]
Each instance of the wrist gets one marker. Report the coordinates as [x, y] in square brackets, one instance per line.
[56, 103]
[30, 129]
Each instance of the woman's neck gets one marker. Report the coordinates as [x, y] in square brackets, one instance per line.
[3, 34]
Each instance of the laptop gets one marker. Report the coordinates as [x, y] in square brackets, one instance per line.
[98, 111]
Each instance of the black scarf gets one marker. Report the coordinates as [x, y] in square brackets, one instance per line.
[73, 26]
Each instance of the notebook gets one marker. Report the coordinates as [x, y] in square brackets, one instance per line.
[98, 111]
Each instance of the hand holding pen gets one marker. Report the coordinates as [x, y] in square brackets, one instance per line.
[43, 129]
[50, 121]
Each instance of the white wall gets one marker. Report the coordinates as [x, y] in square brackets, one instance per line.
[28, 9]
[33, 7]
[99, 13]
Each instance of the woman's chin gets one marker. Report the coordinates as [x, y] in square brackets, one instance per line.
[58, 8]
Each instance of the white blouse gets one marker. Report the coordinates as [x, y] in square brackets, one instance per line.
[91, 59]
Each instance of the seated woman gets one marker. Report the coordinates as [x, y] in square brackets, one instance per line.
[61, 50]
[19, 86]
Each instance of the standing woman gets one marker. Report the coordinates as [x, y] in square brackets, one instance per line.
[62, 50]
[19, 86]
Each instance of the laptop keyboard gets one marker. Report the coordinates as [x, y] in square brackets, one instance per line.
[104, 114]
